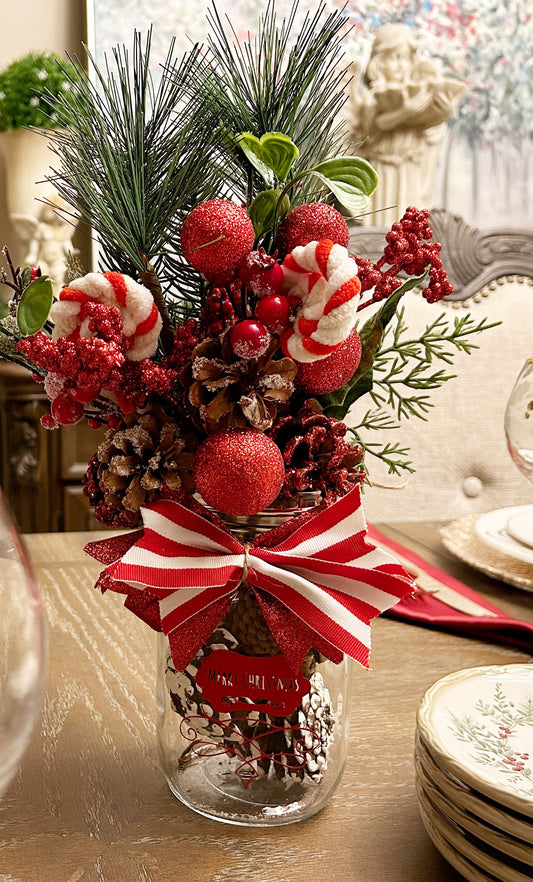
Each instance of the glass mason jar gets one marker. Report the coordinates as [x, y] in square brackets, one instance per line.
[242, 739]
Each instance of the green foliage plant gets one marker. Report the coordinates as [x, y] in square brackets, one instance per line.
[29, 89]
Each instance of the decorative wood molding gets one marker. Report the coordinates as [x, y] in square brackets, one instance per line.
[472, 257]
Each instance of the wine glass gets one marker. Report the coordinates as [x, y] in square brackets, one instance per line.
[22, 648]
[518, 423]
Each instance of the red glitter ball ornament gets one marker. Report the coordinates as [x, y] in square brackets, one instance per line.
[238, 471]
[216, 235]
[309, 222]
[331, 373]
[273, 310]
[249, 339]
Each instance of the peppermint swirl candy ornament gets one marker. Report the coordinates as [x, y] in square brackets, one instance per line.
[325, 277]
[141, 320]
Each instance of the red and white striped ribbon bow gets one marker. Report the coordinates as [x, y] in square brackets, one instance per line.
[324, 573]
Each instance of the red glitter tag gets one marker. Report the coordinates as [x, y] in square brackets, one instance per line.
[230, 681]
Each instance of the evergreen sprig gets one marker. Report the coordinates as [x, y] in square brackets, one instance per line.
[391, 454]
[279, 81]
[134, 160]
[408, 363]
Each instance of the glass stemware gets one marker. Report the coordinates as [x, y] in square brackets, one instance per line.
[22, 648]
[519, 421]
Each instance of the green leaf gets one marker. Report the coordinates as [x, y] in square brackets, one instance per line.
[34, 306]
[337, 404]
[273, 152]
[351, 179]
[262, 211]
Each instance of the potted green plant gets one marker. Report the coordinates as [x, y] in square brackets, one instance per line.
[29, 87]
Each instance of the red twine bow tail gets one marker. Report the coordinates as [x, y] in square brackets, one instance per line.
[321, 585]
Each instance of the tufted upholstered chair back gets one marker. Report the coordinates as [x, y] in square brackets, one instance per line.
[460, 453]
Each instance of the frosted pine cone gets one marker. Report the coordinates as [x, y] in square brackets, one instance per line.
[144, 458]
[225, 390]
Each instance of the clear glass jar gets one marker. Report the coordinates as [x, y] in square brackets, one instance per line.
[242, 739]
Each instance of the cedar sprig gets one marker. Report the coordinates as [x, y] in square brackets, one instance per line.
[134, 160]
[394, 456]
[408, 363]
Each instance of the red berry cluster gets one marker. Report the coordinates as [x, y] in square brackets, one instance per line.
[186, 337]
[142, 379]
[410, 250]
[218, 309]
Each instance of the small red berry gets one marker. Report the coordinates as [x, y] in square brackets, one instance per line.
[48, 422]
[249, 339]
[65, 410]
[273, 311]
[85, 394]
[94, 425]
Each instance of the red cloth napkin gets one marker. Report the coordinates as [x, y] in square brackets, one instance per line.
[427, 609]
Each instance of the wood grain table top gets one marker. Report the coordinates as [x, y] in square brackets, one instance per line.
[90, 803]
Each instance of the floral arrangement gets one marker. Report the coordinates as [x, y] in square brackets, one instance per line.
[221, 347]
[29, 87]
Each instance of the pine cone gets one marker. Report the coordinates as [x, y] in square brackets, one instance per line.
[144, 458]
[316, 454]
[247, 624]
[225, 390]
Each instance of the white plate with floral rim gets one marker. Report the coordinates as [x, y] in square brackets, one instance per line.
[452, 842]
[508, 845]
[478, 725]
[469, 800]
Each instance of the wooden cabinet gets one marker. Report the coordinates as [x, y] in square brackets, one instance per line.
[41, 470]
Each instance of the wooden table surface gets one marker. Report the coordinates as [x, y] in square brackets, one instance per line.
[90, 803]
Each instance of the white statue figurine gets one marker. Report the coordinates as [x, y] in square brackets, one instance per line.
[47, 239]
[397, 121]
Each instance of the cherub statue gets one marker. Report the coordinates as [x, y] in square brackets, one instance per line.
[47, 239]
[397, 121]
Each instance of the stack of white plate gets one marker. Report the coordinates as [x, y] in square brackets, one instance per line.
[474, 771]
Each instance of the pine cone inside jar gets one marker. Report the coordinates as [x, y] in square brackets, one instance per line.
[248, 625]
[316, 453]
[145, 457]
[224, 390]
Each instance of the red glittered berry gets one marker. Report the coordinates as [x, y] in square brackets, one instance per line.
[85, 394]
[249, 339]
[238, 471]
[309, 222]
[48, 422]
[273, 311]
[331, 373]
[65, 410]
[261, 273]
[216, 235]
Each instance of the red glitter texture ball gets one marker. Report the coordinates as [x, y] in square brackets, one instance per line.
[238, 471]
[226, 226]
[310, 222]
[329, 374]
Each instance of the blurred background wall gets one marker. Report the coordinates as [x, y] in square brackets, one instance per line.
[27, 25]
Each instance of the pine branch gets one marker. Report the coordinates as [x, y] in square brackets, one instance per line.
[134, 160]
[281, 81]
